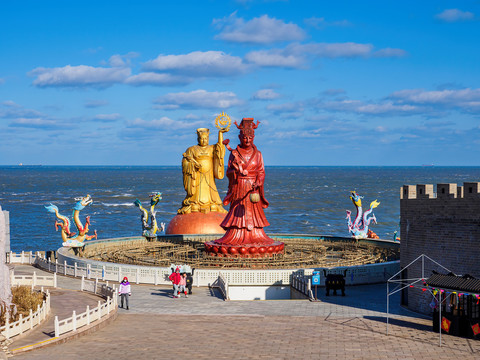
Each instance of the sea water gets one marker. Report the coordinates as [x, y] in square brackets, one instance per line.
[303, 200]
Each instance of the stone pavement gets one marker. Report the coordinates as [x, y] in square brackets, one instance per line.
[64, 300]
[204, 326]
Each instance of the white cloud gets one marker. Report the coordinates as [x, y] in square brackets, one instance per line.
[82, 75]
[198, 63]
[164, 123]
[421, 96]
[259, 30]
[378, 109]
[467, 99]
[275, 58]
[296, 55]
[122, 60]
[265, 94]
[37, 123]
[455, 15]
[333, 50]
[360, 107]
[107, 117]
[412, 102]
[12, 110]
[198, 99]
[151, 78]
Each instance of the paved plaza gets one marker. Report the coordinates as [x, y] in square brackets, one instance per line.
[204, 326]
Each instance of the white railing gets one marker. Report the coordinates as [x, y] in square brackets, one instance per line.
[25, 324]
[90, 269]
[223, 286]
[302, 284]
[159, 276]
[74, 322]
[21, 258]
[33, 280]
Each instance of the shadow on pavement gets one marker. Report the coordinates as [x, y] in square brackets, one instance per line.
[367, 297]
[401, 323]
[162, 292]
[214, 292]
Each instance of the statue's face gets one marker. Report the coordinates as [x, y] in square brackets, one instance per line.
[203, 139]
[246, 141]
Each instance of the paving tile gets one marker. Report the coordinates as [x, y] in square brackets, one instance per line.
[206, 327]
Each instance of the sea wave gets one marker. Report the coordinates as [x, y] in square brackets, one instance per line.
[118, 204]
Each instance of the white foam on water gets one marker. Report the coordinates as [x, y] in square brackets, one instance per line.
[123, 195]
[120, 204]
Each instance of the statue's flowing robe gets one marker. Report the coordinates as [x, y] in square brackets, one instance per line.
[200, 183]
[245, 220]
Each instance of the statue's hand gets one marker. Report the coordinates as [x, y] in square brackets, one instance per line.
[244, 172]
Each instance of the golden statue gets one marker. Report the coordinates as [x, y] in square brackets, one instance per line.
[201, 165]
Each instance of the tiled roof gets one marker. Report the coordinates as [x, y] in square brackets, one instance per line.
[465, 284]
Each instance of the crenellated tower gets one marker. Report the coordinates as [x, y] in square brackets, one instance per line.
[443, 223]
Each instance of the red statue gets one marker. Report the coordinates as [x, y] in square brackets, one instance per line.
[245, 220]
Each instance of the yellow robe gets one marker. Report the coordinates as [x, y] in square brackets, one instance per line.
[201, 165]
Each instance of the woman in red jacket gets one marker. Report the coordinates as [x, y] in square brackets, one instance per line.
[175, 279]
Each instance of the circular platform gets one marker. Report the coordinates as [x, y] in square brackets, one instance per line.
[196, 223]
[300, 251]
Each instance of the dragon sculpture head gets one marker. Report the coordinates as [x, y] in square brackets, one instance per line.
[356, 199]
[155, 198]
[82, 202]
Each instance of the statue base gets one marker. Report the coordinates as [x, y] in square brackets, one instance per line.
[244, 250]
[196, 223]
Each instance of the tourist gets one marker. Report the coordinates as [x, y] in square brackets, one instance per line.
[190, 281]
[175, 279]
[183, 284]
[124, 291]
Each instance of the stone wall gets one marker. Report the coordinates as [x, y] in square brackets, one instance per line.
[444, 225]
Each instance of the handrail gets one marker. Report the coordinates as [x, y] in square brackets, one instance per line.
[302, 283]
[74, 322]
[22, 325]
[33, 280]
[223, 286]
[105, 271]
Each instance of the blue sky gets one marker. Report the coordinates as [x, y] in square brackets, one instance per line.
[332, 83]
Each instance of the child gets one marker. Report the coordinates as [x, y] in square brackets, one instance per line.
[190, 281]
[124, 291]
[183, 285]
[175, 279]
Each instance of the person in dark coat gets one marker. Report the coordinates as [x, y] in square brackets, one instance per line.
[190, 281]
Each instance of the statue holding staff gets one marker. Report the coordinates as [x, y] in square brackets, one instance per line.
[201, 165]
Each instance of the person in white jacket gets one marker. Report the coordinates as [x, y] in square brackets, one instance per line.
[124, 291]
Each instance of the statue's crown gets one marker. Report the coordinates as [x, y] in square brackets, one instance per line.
[247, 126]
[203, 130]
